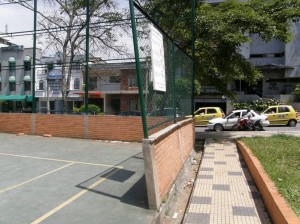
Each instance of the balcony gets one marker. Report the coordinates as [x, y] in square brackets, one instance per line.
[262, 61]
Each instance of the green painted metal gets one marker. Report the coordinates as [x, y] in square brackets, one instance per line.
[193, 55]
[34, 57]
[174, 80]
[138, 69]
[87, 43]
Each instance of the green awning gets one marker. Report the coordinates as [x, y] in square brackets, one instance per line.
[27, 78]
[12, 79]
[29, 98]
[15, 97]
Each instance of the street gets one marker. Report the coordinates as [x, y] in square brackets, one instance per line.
[277, 128]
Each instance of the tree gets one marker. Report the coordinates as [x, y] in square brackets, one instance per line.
[221, 31]
[62, 24]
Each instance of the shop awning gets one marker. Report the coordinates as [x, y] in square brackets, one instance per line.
[92, 94]
[28, 98]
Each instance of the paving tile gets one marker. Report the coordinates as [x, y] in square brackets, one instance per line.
[206, 177]
[230, 155]
[220, 162]
[243, 211]
[209, 153]
[201, 200]
[197, 218]
[231, 173]
[221, 187]
[224, 191]
[206, 169]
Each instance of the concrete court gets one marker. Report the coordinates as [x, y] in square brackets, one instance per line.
[63, 180]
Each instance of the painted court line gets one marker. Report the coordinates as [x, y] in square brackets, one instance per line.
[60, 160]
[33, 179]
[45, 216]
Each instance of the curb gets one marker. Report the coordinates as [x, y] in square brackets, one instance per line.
[276, 205]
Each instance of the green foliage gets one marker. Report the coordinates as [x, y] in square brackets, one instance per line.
[222, 30]
[257, 105]
[297, 90]
[92, 109]
[279, 156]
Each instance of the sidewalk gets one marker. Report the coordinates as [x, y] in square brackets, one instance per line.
[224, 191]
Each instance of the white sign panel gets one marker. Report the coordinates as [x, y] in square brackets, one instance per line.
[157, 59]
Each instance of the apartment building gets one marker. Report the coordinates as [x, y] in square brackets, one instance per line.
[16, 78]
[114, 86]
[280, 66]
[49, 85]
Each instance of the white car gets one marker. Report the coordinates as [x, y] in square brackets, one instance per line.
[219, 124]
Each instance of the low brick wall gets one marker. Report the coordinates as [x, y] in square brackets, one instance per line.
[165, 152]
[275, 203]
[114, 128]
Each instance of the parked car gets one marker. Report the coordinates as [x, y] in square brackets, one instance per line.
[166, 112]
[130, 113]
[219, 124]
[204, 114]
[281, 114]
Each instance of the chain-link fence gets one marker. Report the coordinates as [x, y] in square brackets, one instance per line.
[166, 71]
[78, 57]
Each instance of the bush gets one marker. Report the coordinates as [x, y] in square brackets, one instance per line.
[258, 105]
[92, 109]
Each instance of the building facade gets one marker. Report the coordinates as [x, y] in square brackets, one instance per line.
[280, 66]
[16, 78]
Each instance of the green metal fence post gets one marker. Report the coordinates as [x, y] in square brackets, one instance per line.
[87, 43]
[174, 81]
[193, 54]
[138, 68]
[34, 56]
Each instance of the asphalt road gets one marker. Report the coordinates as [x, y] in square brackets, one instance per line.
[277, 128]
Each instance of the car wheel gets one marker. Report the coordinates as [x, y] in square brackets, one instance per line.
[218, 127]
[258, 127]
[236, 127]
[292, 123]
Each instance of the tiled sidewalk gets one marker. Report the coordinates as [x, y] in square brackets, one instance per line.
[224, 191]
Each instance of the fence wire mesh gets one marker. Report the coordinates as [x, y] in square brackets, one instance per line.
[84, 55]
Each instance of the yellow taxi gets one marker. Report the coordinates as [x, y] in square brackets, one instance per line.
[204, 114]
[281, 114]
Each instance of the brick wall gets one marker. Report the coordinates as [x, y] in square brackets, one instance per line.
[170, 155]
[115, 128]
[15, 123]
[165, 153]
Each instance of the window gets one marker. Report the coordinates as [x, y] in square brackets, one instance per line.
[77, 83]
[27, 85]
[55, 86]
[41, 85]
[115, 79]
[76, 65]
[27, 63]
[12, 64]
[271, 111]
[12, 86]
[0, 86]
[200, 112]
[211, 111]
[283, 109]
[92, 83]
[132, 80]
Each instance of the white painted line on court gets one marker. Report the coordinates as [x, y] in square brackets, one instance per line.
[60, 160]
[33, 179]
[45, 216]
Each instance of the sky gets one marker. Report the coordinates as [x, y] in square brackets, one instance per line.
[17, 19]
